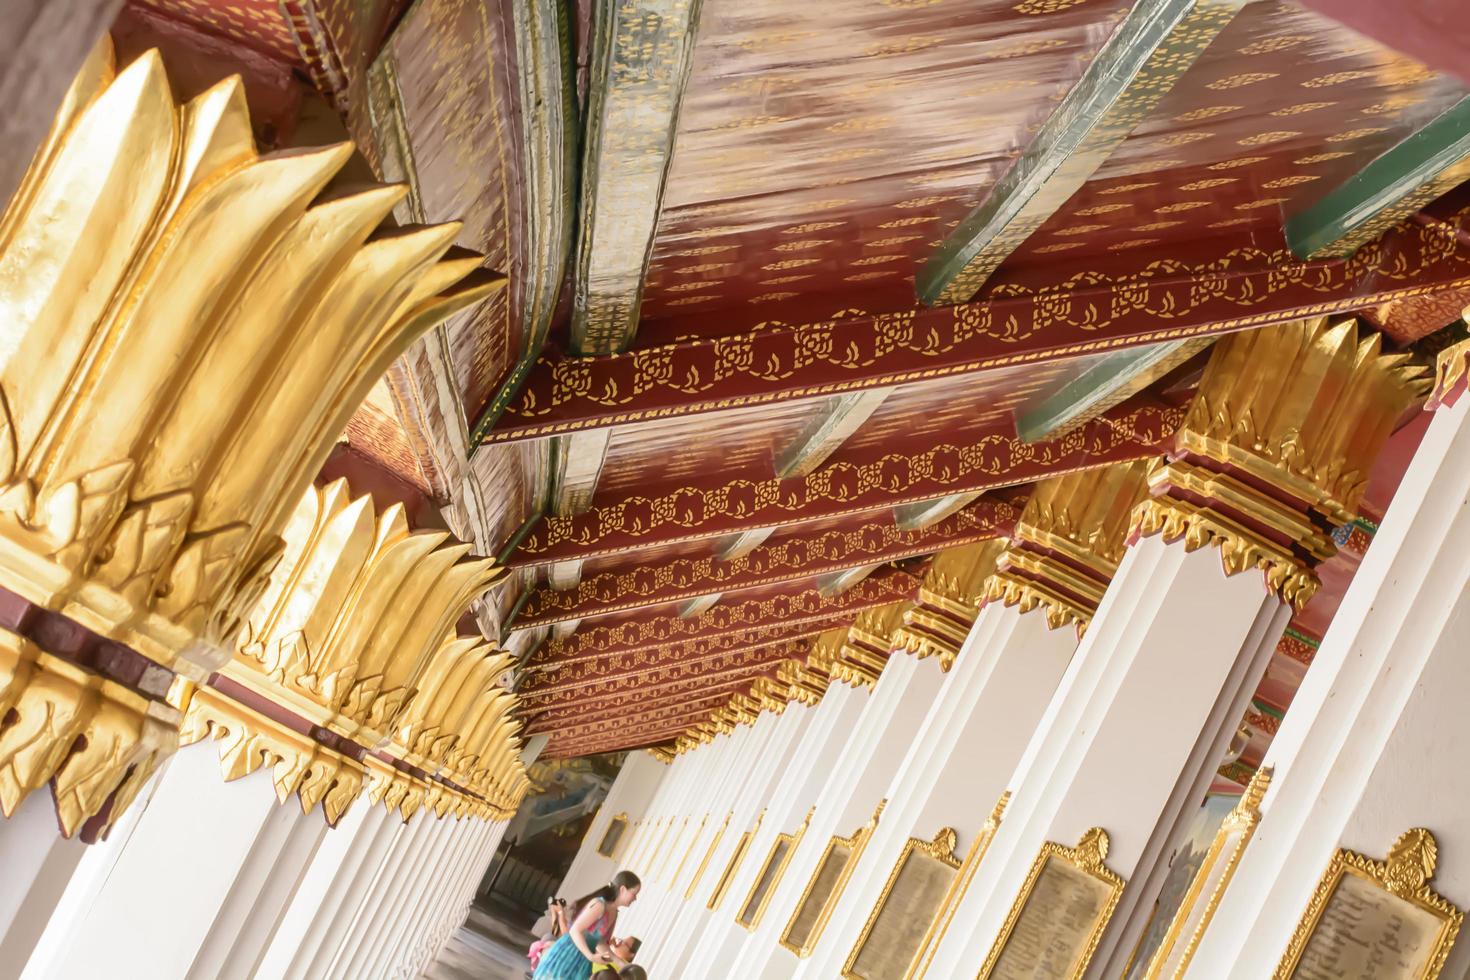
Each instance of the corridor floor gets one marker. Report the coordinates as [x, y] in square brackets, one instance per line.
[484, 948]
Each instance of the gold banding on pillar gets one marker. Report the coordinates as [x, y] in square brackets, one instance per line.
[188, 326]
[949, 601]
[868, 642]
[1277, 445]
[1068, 543]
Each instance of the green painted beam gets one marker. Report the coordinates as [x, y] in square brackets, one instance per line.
[1393, 185]
[1108, 381]
[1147, 54]
[641, 54]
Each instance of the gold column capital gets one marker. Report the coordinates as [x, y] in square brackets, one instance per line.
[188, 326]
[1068, 542]
[869, 640]
[949, 600]
[1277, 447]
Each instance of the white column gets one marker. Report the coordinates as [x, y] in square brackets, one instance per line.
[428, 934]
[317, 916]
[832, 725]
[721, 798]
[429, 877]
[203, 851]
[365, 938]
[692, 917]
[631, 792]
[1169, 661]
[956, 767]
[848, 798]
[49, 880]
[707, 804]
[677, 824]
[1374, 742]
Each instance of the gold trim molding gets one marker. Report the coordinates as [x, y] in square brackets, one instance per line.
[1087, 857]
[940, 849]
[1068, 542]
[1192, 918]
[1404, 877]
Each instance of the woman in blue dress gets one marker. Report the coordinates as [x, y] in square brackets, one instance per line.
[593, 918]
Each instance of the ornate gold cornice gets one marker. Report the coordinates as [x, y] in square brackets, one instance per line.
[1277, 447]
[189, 326]
[1068, 542]
[1452, 373]
[869, 640]
[949, 600]
[351, 651]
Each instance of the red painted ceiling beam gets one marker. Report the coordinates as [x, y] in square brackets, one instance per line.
[580, 706]
[618, 741]
[1062, 313]
[784, 609]
[587, 672]
[875, 541]
[667, 714]
[980, 460]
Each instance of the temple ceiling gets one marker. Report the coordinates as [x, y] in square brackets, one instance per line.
[801, 296]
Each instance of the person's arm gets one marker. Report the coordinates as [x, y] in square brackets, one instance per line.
[586, 920]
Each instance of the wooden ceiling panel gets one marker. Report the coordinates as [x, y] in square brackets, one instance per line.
[825, 149]
[1283, 106]
[691, 451]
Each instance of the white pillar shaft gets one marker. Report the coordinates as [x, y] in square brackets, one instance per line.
[202, 850]
[848, 798]
[429, 877]
[38, 865]
[368, 934]
[341, 890]
[691, 917]
[957, 765]
[833, 722]
[434, 928]
[1154, 691]
[1373, 743]
[722, 799]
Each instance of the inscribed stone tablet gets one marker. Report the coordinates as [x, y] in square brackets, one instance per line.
[1055, 925]
[908, 909]
[766, 880]
[824, 884]
[1366, 933]
[612, 837]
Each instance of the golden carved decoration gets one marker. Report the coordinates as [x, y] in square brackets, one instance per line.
[1277, 446]
[748, 916]
[1081, 867]
[1452, 373]
[189, 326]
[1403, 881]
[957, 888]
[792, 938]
[869, 640]
[949, 600]
[940, 849]
[1193, 916]
[354, 635]
[1068, 542]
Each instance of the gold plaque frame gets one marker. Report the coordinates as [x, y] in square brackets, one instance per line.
[1404, 875]
[941, 849]
[619, 823]
[683, 858]
[1191, 919]
[708, 855]
[957, 888]
[762, 899]
[854, 845]
[1087, 857]
[736, 858]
